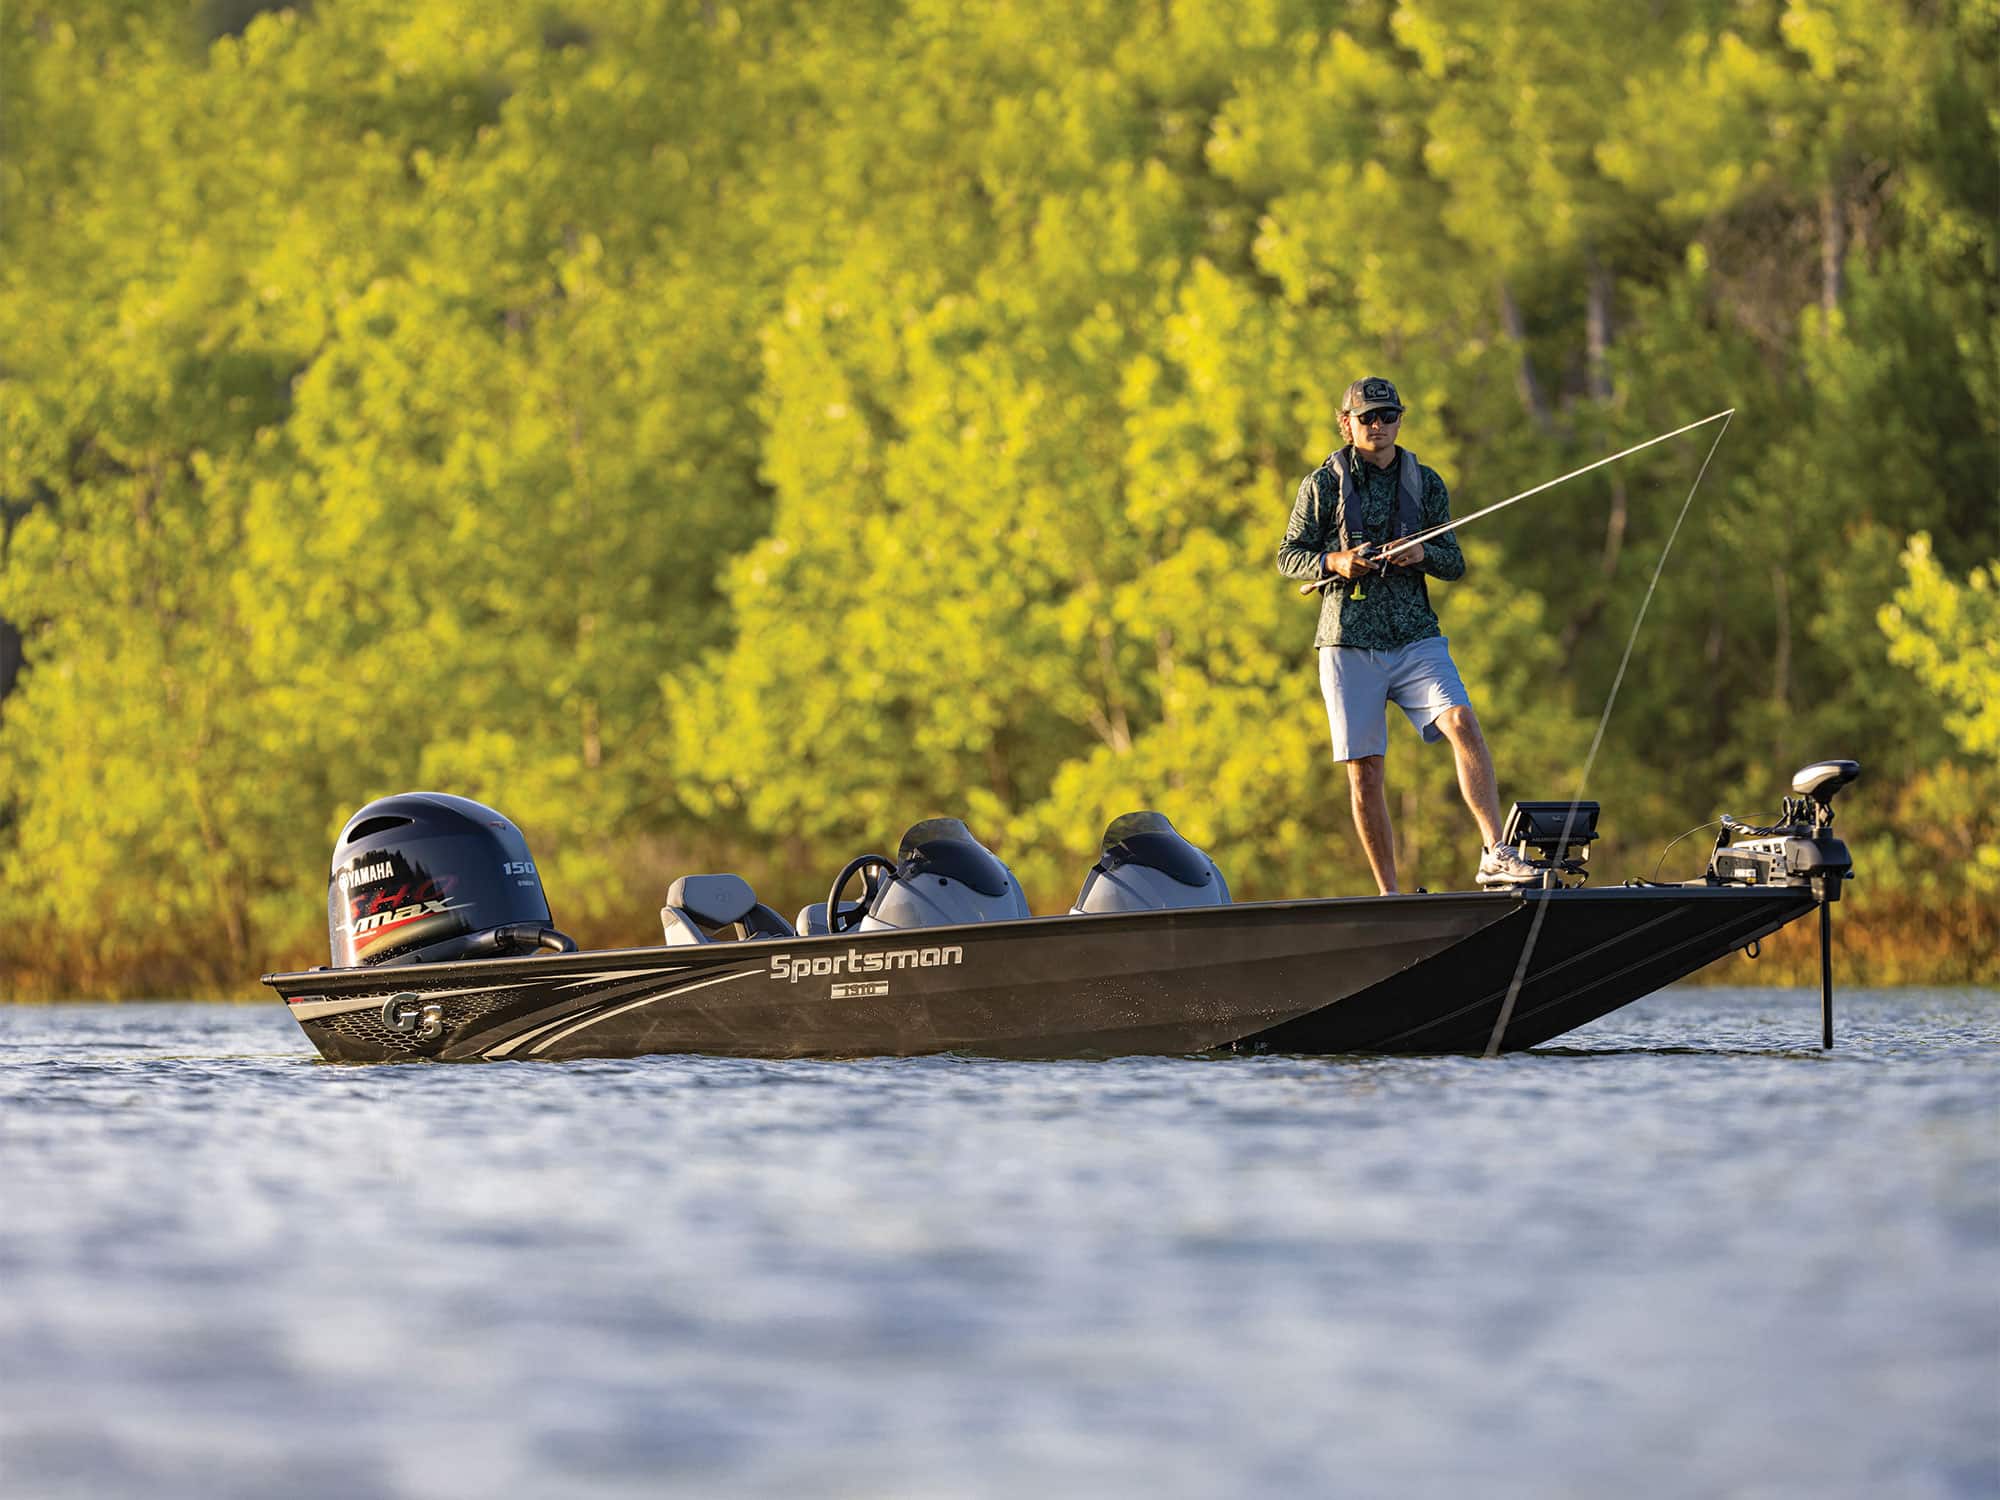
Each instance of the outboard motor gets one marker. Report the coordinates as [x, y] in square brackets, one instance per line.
[1146, 866]
[943, 875]
[424, 877]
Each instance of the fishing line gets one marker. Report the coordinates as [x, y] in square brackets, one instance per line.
[1603, 719]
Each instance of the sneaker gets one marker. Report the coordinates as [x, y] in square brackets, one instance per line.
[1501, 865]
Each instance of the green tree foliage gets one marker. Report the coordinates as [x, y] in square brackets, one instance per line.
[733, 432]
[369, 430]
[1948, 633]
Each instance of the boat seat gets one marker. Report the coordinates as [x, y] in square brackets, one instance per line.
[1145, 865]
[717, 908]
[812, 919]
[945, 876]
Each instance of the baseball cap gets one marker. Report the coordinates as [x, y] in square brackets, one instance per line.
[1367, 394]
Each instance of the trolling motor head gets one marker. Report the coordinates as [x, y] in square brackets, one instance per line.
[1818, 784]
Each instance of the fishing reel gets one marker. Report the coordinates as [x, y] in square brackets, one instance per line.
[1799, 849]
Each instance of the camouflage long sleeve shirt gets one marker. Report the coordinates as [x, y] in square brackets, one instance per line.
[1395, 610]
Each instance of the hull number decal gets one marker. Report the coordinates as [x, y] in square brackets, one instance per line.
[862, 991]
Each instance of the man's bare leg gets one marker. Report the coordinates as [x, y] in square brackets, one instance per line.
[1369, 794]
[1475, 771]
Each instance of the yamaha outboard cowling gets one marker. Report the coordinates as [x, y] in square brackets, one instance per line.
[1146, 866]
[428, 877]
[943, 876]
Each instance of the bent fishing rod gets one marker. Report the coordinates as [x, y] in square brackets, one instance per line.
[1379, 553]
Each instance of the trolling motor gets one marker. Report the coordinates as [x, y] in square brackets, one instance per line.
[1798, 850]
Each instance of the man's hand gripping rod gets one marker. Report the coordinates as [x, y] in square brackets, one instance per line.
[1381, 554]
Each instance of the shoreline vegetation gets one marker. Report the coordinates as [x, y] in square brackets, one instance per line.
[719, 436]
[1897, 944]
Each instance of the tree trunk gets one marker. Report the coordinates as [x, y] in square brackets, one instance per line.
[11, 649]
[1597, 345]
[1576, 630]
[999, 774]
[1108, 720]
[1832, 249]
[1525, 379]
[1781, 655]
[1597, 330]
[10, 657]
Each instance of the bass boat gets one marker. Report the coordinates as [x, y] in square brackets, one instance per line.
[443, 949]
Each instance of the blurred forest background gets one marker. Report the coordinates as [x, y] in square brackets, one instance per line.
[720, 435]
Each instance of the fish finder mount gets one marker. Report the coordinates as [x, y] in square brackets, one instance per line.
[1555, 837]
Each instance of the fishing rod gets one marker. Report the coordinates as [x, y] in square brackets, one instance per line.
[1380, 553]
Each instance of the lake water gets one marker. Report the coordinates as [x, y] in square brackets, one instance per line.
[1687, 1254]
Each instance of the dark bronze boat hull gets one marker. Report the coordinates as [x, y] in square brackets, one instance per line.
[1384, 974]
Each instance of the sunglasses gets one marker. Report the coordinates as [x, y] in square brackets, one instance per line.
[1382, 416]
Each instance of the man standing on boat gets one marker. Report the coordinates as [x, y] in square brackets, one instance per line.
[1379, 640]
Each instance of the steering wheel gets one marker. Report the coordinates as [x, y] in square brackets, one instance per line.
[875, 872]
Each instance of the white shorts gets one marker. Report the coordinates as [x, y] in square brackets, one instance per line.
[1359, 685]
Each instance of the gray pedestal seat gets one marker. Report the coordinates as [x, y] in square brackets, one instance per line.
[717, 908]
[1144, 865]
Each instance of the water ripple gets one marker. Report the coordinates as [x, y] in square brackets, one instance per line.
[1685, 1252]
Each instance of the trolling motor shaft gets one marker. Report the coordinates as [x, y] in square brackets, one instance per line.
[1799, 849]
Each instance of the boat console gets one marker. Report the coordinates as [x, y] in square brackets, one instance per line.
[941, 876]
